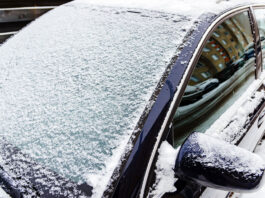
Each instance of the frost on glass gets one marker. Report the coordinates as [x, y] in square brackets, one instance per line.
[74, 83]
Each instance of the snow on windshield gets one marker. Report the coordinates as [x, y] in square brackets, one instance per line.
[74, 83]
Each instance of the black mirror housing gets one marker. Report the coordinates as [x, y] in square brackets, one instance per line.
[214, 163]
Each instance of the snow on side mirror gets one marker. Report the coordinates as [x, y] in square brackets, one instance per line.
[217, 164]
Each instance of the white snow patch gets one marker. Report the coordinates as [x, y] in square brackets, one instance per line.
[218, 153]
[260, 150]
[165, 178]
[258, 194]
[3, 194]
[101, 179]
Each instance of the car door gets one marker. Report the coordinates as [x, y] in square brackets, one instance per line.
[222, 93]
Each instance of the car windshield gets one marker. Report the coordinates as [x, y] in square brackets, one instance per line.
[75, 82]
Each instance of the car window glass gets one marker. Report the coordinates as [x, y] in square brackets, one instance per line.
[260, 17]
[222, 73]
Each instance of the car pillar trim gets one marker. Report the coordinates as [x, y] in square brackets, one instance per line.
[257, 43]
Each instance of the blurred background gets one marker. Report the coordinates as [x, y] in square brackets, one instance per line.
[14, 14]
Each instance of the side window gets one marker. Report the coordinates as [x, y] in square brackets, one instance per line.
[260, 17]
[222, 73]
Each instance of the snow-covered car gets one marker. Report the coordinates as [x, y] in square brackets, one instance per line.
[93, 102]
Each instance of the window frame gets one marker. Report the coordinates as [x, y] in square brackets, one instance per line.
[258, 69]
[255, 23]
[257, 43]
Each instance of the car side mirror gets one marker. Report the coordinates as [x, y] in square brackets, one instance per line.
[217, 164]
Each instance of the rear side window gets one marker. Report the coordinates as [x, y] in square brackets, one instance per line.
[224, 70]
[260, 17]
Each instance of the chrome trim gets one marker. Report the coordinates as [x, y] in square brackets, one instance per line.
[28, 8]
[8, 33]
[4, 36]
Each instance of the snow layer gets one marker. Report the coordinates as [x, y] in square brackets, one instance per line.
[260, 150]
[3, 194]
[214, 153]
[165, 175]
[258, 194]
[182, 7]
[220, 155]
[74, 83]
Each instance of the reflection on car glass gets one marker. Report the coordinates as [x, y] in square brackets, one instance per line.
[224, 69]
